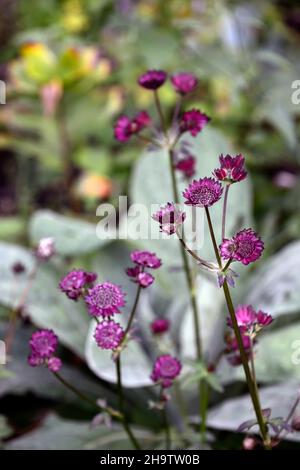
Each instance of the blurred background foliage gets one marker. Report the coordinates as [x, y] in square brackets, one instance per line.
[71, 68]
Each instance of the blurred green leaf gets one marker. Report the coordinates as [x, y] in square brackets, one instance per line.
[73, 237]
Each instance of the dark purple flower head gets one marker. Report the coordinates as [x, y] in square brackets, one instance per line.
[126, 127]
[263, 319]
[160, 325]
[145, 279]
[186, 165]
[145, 259]
[169, 217]
[166, 368]
[232, 169]
[108, 334]
[193, 121]
[246, 246]
[45, 249]
[54, 364]
[203, 193]
[18, 268]
[152, 79]
[137, 275]
[184, 82]
[75, 281]
[43, 344]
[105, 299]
[34, 360]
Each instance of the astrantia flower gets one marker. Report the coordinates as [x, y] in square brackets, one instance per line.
[246, 246]
[153, 79]
[146, 259]
[54, 364]
[193, 121]
[160, 325]
[245, 316]
[126, 127]
[45, 249]
[108, 334]
[137, 275]
[186, 165]
[74, 282]
[34, 360]
[105, 299]
[184, 82]
[166, 368]
[169, 217]
[263, 319]
[145, 279]
[43, 343]
[232, 169]
[249, 321]
[203, 193]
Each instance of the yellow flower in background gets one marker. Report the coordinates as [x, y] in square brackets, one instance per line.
[74, 19]
[95, 186]
[114, 100]
[39, 62]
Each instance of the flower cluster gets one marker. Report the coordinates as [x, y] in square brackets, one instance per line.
[142, 261]
[43, 344]
[105, 299]
[108, 334]
[169, 218]
[249, 321]
[75, 283]
[231, 169]
[250, 324]
[126, 127]
[246, 246]
[192, 121]
[165, 370]
[203, 192]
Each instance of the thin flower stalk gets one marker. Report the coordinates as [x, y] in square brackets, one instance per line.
[252, 385]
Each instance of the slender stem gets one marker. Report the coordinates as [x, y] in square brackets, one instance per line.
[11, 329]
[289, 416]
[251, 385]
[224, 210]
[192, 292]
[166, 423]
[85, 398]
[192, 253]
[121, 406]
[160, 112]
[177, 109]
[131, 317]
[227, 265]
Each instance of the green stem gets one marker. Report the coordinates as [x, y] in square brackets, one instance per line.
[224, 211]
[252, 386]
[160, 112]
[192, 292]
[82, 396]
[121, 406]
[134, 307]
[167, 429]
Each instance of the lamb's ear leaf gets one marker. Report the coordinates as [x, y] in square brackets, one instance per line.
[280, 398]
[62, 434]
[73, 236]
